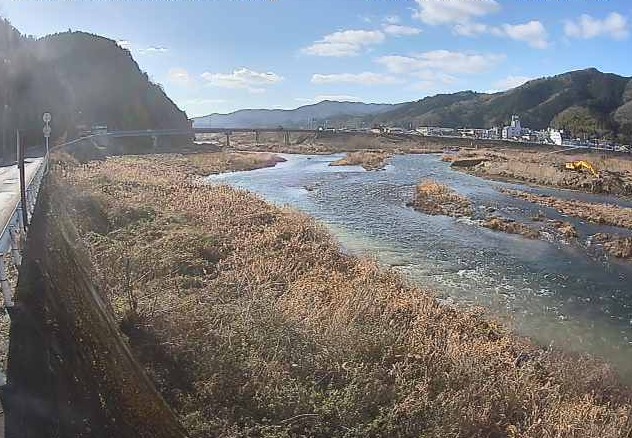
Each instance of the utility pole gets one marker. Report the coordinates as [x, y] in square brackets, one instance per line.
[46, 117]
[24, 206]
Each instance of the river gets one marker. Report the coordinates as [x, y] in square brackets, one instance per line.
[553, 292]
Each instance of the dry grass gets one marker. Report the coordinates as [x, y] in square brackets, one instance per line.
[368, 160]
[334, 143]
[617, 246]
[545, 168]
[253, 323]
[512, 227]
[605, 214]
[434, 198]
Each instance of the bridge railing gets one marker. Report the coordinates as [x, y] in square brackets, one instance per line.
[13, 231]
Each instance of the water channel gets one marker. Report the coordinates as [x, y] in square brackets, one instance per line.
[551, 291]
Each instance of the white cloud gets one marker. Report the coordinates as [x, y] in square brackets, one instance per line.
[180, 76]
[510, 82]
[201, 106]
[431, 80]
[202, 102]
[533, 33]
[436, 12]
[614, 26]
[397, 30]
[435, 77]
[243, 78]
[344, 43]
[425, 86]
[470, 29]
[441, 60]
[153, 50]
[150, 50]
[124, 44]
[365, 78]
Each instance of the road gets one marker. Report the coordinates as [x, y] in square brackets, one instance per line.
[10, 187]
[9, 199]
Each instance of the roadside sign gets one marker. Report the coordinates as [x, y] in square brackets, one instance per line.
[46, 131]
[46, 117]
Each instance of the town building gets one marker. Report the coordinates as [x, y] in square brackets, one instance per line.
[514, 130]
[555, 136]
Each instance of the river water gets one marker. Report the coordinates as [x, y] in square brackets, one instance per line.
[554, 292]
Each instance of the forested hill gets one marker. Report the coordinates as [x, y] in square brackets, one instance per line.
[315, 114]
[82, 79]
[584, 102]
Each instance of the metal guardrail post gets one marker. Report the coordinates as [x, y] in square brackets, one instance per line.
[7, 290]
[15, 246]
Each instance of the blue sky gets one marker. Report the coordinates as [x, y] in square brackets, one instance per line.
[223, 55]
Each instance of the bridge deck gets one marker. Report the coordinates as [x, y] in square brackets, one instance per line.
[10, 187]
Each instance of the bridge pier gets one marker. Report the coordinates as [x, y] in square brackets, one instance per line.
[286, 138]
[227, 139]
[256, 137]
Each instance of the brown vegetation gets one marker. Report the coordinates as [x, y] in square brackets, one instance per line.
[330, 143]
[546, 168]
[368, 160]
[508, 226]
[432, 197]
[251, 322]
[605, 214]
[615, 245]
[435, 198]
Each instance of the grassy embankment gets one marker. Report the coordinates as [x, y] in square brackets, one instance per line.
[253, 323]
[603, 214]
[546, 168]
[368, 160]
[331, 143]
[435, 198]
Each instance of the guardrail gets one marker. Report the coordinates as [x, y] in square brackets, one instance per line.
[13, 232]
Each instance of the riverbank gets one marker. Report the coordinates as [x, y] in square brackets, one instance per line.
[331, 143]
[439, 199]
[368, 160]
[546, 168]
[250, 321]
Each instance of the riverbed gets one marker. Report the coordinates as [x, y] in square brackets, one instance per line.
[559, 293]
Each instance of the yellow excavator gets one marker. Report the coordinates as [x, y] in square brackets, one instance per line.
[581, 165]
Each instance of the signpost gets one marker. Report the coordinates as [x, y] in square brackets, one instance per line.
[46, 117]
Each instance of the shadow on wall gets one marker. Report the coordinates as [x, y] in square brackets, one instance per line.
[70, 373]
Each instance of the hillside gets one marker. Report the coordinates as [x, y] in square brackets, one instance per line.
[299, 117]
[585, 102]
[82, 79]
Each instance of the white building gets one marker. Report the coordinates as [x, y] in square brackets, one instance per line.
[494, 133]
[555, 136]
[513, 130]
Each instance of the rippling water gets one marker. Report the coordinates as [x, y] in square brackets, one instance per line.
[550, 291]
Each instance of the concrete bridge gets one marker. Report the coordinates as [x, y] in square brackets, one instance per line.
[154, 133]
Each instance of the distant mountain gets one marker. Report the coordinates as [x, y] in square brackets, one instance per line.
[82, 79]
[314, 115]
[584, 102]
